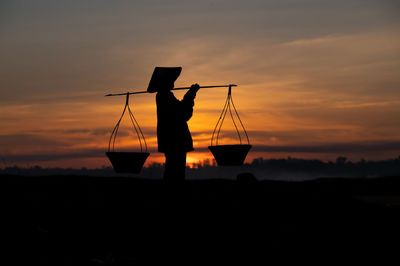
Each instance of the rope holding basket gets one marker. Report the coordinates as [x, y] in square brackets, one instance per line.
[127, 162]
[228, 155]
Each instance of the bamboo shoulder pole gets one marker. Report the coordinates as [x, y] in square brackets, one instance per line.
[182, 88]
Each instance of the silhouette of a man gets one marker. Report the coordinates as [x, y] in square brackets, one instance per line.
[173, 135]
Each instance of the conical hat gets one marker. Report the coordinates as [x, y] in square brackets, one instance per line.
[162, 76]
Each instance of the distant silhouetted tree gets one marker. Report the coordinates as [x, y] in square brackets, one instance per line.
[341, 160]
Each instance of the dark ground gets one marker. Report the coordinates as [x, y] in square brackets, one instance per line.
[79, 220]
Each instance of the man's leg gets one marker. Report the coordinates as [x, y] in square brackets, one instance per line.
[175, 166]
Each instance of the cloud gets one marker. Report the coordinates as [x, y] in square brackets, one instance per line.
[41, 157]
[306, 77]
[346, 105]
[28, 141]
[55, 156]
[327, 40]
[346, 148]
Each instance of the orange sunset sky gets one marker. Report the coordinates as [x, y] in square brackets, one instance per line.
[317, 79]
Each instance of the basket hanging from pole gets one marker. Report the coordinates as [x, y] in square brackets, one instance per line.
[229, 155]
[127, 162]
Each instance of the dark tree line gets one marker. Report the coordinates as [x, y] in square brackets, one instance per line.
[286, 169]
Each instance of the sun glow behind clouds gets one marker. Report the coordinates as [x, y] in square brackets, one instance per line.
[306, 79]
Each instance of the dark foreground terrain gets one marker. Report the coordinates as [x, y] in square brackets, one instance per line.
[78, 220]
